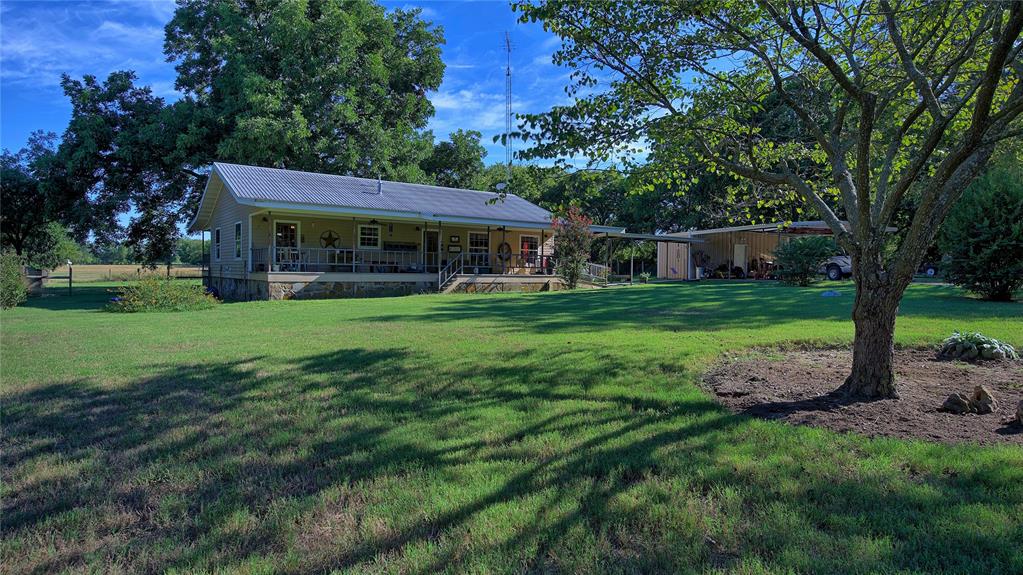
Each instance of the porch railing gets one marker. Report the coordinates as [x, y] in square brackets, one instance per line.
[337, 260]
[475, 263]
[391, 261]
[596, 273]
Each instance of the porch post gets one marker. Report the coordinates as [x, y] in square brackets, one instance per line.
[440, 243]
[632, 263]
[540, 262]
[355, 241]
[608, 244]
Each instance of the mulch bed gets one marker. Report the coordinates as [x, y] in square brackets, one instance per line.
[797, 387]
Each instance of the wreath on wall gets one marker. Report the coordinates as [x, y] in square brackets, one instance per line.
[504, 252]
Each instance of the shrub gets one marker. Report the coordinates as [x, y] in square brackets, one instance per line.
[13, 290]
[968, 346]
[153, 293]
[799, 259]
[644, 277]
[572, 238]
[983, 236]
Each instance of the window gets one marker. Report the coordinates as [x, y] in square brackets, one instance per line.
[237, 240]
[529, 246]
[216, 244]
[479, 242]
[369, 237]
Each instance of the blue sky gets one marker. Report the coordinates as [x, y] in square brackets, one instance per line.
[41, 40]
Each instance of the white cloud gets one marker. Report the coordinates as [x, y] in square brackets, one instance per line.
[41, 42]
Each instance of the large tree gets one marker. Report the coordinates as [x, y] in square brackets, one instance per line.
[457, 163]
[117, 156]
[24, 209]
[893, 106]
[335, 86]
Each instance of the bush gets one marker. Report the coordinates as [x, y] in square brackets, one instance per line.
[572, 238]
[154, 293]
[799, 259]
[983, 236]
[13, 290]
[969, 346]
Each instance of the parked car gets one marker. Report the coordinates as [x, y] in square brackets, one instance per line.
[837, 267]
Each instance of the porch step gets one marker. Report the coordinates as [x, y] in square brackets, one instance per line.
[487, 281]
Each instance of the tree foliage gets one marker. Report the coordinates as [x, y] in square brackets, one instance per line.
[888, 107]
[983, 237]
[331, 86]
[118, 155]
[457, 163]
[326, 85]
[24, 205]
[189, 251]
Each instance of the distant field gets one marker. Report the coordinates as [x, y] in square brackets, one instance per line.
[114, 272]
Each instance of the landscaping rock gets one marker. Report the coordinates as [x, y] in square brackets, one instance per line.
[957, 403]
[982, 400]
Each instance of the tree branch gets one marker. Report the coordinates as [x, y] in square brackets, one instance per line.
[923, 85]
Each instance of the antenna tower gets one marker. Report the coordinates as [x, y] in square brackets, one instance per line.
[507, 111]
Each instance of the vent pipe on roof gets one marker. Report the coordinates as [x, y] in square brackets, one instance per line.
[376, 192]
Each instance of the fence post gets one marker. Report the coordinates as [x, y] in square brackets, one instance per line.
[70, 273]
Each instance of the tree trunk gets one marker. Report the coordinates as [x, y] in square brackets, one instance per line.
[873, 369]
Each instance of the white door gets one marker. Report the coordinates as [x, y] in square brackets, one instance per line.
[739, 258]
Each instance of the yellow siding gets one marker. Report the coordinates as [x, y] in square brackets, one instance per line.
[311, 228]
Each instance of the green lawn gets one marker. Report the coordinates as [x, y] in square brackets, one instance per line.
[559, 432]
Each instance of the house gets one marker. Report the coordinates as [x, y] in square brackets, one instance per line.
[279, 234]
[740, 251]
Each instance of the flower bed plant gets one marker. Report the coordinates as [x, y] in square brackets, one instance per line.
[161, 294]
[971, 346]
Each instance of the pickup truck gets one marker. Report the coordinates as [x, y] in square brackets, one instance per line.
[837, 267]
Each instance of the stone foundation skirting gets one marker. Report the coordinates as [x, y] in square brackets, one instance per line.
[341, 289]
[294, 286]
[238, 289]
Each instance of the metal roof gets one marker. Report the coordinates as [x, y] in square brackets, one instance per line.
[772, 227]
[667, 238]
[255, 185]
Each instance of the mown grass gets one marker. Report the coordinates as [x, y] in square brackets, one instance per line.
[559, 432]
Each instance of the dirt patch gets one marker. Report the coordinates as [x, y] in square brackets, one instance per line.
[796, 387]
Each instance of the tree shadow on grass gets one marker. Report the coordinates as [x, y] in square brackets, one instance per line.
[204, 466]
[703, 307]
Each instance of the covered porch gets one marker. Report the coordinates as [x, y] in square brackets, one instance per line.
[314, 243]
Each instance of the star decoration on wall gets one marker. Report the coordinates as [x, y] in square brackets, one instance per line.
[329, 239]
